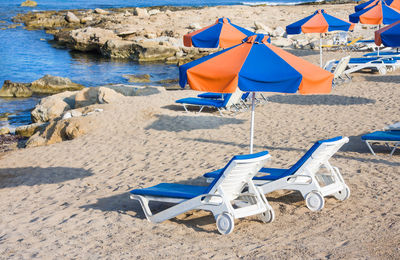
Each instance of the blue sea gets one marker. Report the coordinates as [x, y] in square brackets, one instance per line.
[28, 55]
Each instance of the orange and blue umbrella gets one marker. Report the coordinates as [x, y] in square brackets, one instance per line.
[319, 22]
[389, 35]
[255, 66]
[222, 34]
[378, 13]
[392, 3]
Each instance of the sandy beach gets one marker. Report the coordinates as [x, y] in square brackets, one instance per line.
[70, 199]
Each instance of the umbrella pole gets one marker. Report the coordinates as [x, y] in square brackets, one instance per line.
[253, 104]
[379, 27]
[320, 50]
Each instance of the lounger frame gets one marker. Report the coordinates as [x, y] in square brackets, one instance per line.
[233, 195]
[395, 145]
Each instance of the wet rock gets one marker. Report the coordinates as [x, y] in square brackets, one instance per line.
[4, 131]
[100, 11]
[29, 130]
[118, 49]
[53, 106]
[72, 18]
[14, 89]
[141, 12]
[153, 51]
[54, 84]
[29, 3]
[87, 19]
[144, 78]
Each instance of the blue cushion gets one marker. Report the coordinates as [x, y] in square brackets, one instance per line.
[201, 102]
[210, 95]
[172, 190]
[382, 53]
[382, 136]
[270, 174]
[373, 60]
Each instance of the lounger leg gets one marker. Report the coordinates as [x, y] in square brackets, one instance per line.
[370, 148]
[220, 112]
[394, 149]
[185, 108]
[201, 109]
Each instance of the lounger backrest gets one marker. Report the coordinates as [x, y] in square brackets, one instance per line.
[330, 146]
[324, 150]
[341, 67]
[233, 99]
[237, 173]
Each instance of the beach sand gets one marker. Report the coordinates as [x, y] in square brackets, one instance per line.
[70, 199]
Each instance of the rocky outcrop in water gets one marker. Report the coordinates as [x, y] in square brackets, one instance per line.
[29, 3]
[53, 84]
[14, 89]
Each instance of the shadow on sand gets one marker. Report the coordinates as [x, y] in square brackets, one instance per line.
[329, 100]
[188, 123]
[30, 176]
[384, 78]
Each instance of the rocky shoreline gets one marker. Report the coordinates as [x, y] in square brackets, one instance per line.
[155, 34]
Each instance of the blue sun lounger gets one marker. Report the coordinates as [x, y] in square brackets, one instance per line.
[383, 54]
[380, 64]
[218, 197]
[386, 137]
[306, 176]
[211, 95]
[228, 101]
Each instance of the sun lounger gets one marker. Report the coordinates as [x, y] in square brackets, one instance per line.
[391, 137]
[338, 70]
[380, 64]
[395, 126]
[244, 98]
[385, 54]
[305, 175]
[234, 185]
[228, 101]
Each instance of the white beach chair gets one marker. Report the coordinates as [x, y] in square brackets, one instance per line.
[306, 176]
[230, 196]
[338, 69]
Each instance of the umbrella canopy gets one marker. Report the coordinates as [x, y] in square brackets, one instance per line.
[255, 66]
[379, 13]
[389, 35]
[222, 34]
[392, 3]
[319, 22]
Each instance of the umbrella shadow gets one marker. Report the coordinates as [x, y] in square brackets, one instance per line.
[30, 176]
[384, 78]
[330, 100]
[189, 123]
[302, 53]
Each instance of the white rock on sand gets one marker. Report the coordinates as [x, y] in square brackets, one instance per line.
[70, 200]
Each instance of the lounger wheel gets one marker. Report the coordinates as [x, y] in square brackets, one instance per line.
[267, 216]
[225, 223]
[315, 201]
[382, 70]
[343, 194]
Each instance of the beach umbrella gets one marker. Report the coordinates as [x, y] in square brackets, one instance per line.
[389, 35]
[255, 66]
[222, 34]
[319, 22]
[377, 14]
[392, 3]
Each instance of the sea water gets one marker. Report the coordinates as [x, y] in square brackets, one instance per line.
[28, 55]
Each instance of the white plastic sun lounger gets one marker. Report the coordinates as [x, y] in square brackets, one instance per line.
[230, 196]
[390, 137]
[338, 70]
[306, 176]
[382, 65]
